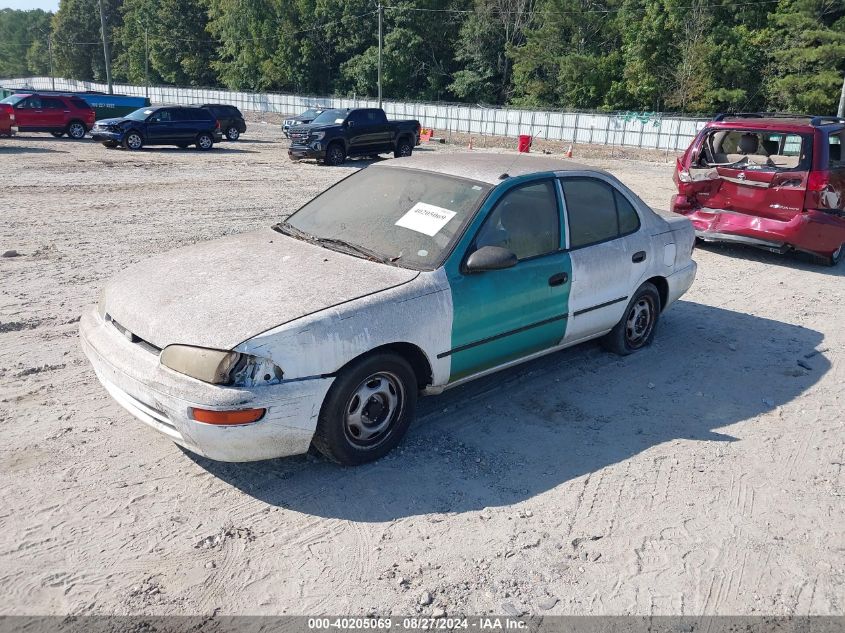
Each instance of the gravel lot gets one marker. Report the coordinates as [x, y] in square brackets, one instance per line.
[704, 475]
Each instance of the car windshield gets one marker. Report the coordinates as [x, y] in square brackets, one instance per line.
[13, 99]
[331, 116]
[139, 115]
[405, 217]
[308, 114]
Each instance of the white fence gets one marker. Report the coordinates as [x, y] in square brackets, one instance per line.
[646, 130]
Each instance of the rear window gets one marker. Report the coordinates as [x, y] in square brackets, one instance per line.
[763, 150]
[834, 150]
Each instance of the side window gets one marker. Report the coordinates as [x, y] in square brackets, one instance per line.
[52, 104]
[163, 116]
[33, 103]
[834, 149]
[359, 117]
[596, 212]
[629, 221]
[525, 221]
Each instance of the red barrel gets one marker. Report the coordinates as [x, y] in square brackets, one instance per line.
[524, 143]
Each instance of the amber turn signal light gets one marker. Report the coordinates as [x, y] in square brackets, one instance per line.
[241, 416]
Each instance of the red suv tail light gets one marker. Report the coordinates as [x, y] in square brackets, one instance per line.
[818, 180]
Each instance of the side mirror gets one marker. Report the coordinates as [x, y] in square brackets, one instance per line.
[350, 124]
[490, 258]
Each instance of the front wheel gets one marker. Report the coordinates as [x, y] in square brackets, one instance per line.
[636, 328]
[205, 141]
[367, 410]
[403, 148]
[233, 134]
[76, 130]
[133, 141]
[335, 154]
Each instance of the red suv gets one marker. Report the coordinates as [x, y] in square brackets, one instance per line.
[56, 114]
[772, 181]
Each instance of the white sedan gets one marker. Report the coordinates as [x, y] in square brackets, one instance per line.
[410, 276]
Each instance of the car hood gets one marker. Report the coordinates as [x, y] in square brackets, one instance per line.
[220, 293]
[109, 121]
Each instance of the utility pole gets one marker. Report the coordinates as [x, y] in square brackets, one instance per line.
[50, 50]
[105, 46]
[146, 64]
[841, 112]
[380, 21]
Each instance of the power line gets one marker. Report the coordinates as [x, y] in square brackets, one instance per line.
[578, 11]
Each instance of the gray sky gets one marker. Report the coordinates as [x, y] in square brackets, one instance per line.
[47, 5]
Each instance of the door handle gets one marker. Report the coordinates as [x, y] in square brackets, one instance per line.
[558, 279]
[638, 257]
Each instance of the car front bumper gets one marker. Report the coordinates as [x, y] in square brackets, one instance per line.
[162, 399]
[106, 135]
[809, 231]
[314, 150]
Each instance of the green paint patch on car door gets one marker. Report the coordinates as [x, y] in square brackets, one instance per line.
[503, 315]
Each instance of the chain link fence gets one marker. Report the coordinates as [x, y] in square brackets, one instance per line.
[647, 130]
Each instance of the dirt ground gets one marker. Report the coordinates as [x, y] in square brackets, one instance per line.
[701, 476]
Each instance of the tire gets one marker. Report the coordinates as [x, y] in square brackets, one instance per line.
[335, 154]
[636, 328]
[205, 141]
[133, 140]
[57, 134]
[76, 130]
[834, 258]
[382, 385]
[403, 148]
[232, 133]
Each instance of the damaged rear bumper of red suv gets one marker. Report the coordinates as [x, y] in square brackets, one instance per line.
[810, 231]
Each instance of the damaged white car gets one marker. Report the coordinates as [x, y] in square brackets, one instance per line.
[407, 277]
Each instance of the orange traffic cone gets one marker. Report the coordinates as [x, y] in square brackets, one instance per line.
[569, 152]
[470, 143]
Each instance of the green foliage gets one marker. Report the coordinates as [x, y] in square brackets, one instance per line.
[23, 42]
[643, 55]
[77, 40]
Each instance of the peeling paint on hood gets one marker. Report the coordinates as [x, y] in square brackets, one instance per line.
[220, 293]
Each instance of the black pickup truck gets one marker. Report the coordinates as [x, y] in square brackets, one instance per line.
[336, 134]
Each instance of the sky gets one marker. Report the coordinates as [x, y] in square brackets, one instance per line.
[47, 5]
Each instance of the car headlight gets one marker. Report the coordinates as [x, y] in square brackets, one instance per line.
[316, 136]
[220, 367]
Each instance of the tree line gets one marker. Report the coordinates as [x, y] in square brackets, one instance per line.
[694, 56]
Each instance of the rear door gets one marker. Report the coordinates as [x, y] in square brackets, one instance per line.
[753, 172]
[54, 112]
[609, 254]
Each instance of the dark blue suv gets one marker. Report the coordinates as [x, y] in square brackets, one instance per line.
[160, 125]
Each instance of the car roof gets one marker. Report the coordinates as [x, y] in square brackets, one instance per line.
[797, 123]
[484, 166]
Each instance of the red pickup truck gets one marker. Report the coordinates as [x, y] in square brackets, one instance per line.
[56, 114]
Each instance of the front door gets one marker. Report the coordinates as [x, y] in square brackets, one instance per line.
[30, 115]
[609, 253]
[161, 127]
[504, 315]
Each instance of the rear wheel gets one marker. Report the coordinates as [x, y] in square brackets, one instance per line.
[133, 140]
[335, 154]
[205, 141]
[232, 133]
[403, 148]
[76, 130]
[367, 410]
[636, 328]
[58, 134]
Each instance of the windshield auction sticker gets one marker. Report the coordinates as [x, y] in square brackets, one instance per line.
[426, 218]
